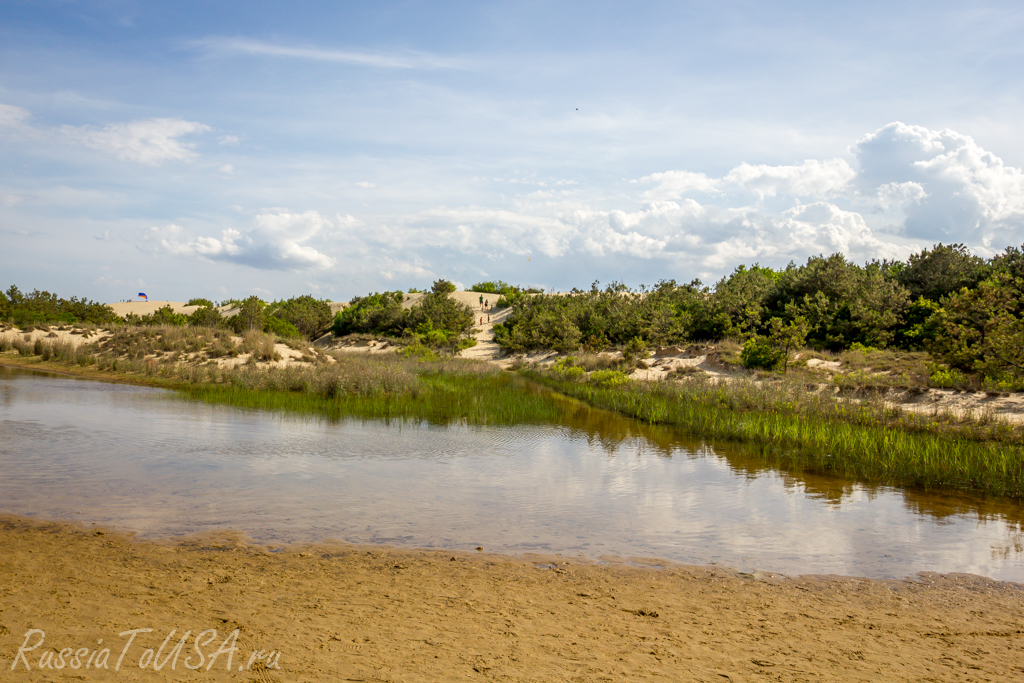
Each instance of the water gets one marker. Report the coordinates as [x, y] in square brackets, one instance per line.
[145, 460]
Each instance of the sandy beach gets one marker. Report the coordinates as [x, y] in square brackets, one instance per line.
[348, 613]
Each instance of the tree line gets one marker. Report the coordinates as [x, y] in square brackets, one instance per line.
[966, 310]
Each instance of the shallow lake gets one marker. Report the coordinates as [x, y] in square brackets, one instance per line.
[148, 461]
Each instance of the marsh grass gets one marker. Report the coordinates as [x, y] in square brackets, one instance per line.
[385, 391]
[791, 426]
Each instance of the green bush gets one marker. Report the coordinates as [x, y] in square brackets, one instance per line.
[165, 315]
[495, 287]
[308, 316]
[377, 313]
[947, 378]
[206, 316]
[280, 328]
[636, 348]
[609, 378]
[759, 353]
[566, 368]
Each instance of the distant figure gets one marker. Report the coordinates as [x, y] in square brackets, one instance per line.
[481, 299]
[481, 320]
[488, 317]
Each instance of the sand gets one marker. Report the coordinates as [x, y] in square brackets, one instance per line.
[123, 308]
[348, 613]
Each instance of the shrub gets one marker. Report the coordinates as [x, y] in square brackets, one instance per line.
[250, 315]
[310, 317]
[280, 328]
[636, 348]
[759, 353]
[24, 348]
[442, 287]
[947, 378]
[566, 368]
[206, 316]
[609, 378]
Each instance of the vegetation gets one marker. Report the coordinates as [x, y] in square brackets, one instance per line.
[966, 311]
[492, 287]
[310, 317]
[388, 388]
[796, 427]
[43, 307]
[437, 320]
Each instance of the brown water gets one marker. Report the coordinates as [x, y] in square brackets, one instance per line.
[145, 460]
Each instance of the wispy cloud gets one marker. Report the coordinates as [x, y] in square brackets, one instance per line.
[408, 60]
[150, 142]
[12, 116]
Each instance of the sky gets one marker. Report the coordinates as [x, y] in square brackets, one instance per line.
[221, 149]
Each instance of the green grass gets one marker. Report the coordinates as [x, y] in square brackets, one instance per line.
[436, 398]
[861, 440]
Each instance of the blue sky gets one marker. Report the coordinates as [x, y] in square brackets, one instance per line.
[221, 149]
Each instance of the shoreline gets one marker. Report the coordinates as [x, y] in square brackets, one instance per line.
[334, 612]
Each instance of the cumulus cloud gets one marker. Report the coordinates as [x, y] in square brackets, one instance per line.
[907, 187]
[150, 141]
[951, 188]
[684, 234]
[277, 241]
[812, 178]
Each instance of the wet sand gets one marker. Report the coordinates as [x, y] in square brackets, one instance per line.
[342, 612]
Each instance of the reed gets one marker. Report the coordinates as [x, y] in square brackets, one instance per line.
[435, 398]
[865, 440]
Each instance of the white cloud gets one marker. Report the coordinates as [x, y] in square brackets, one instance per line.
[227, 168]
[812, 178]
[410, 60]
[365, 184]
[684, 235]
[276, 242]
[150, 141]
[958, 191]
[674, 184]
[12, 116]
[899, 194]
[228, 140]
[12, 200]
